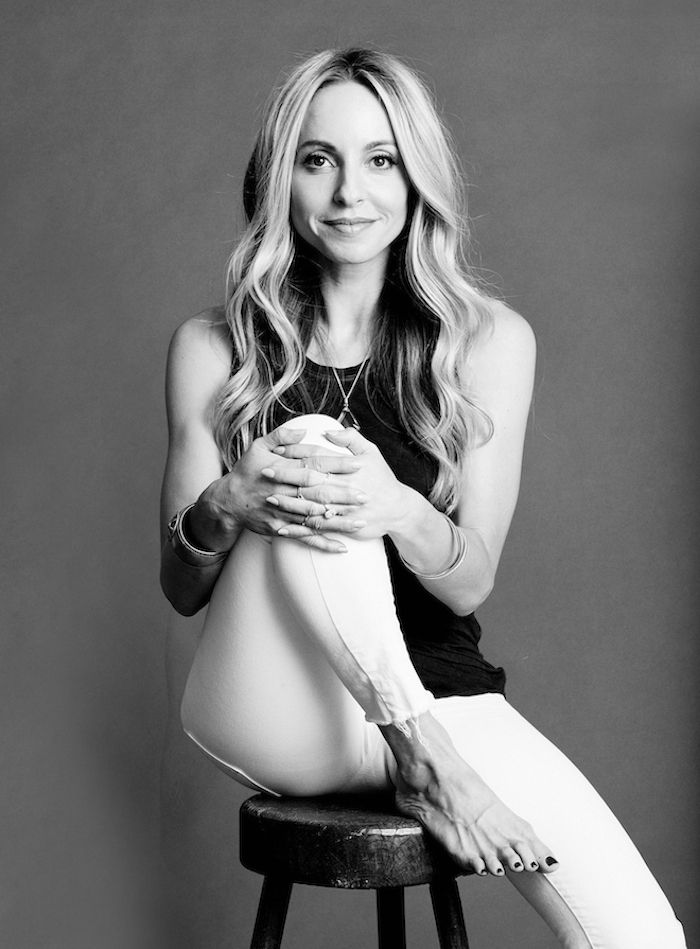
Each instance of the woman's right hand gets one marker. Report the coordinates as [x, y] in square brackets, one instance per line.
[241, 497]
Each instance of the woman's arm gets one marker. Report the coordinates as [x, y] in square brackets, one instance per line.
[198, 366]
[199, 363]
[502, 372]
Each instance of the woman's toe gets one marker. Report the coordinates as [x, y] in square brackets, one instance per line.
[494, 866]
[547, 861]
[527, 856]
[512, 861]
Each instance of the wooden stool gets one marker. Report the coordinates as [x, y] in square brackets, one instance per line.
[351, 842]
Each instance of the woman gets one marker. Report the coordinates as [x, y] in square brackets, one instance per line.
[351, 426]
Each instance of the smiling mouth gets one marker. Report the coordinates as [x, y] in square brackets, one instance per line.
[349, 225]
[349, 220]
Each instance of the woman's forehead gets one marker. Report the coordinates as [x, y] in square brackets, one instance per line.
[343, 111]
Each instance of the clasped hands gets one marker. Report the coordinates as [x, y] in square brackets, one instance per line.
[308, 493]
[320, 492]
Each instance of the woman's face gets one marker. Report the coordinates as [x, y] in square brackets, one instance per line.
[349, 189]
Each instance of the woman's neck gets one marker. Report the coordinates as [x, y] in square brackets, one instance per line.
[350, 297]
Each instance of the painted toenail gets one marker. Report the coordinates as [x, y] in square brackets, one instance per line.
[482, 873]
[534, 865]
[517, 866]
[550, 861]
[499, 871]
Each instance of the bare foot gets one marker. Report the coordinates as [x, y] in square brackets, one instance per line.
[453, 803]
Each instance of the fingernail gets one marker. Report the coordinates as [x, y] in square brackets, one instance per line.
[359, 524]
[283, 531]
[360, 497]
[342, 550]
[279, 450]
[273, 501]
[268, 472]
[550, 861]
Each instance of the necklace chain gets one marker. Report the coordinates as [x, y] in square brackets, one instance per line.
[346, 412]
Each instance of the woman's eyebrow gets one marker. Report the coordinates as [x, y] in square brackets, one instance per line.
[318, 143]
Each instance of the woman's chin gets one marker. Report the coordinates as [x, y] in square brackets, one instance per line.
[355, 256]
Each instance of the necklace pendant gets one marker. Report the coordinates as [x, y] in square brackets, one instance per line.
[347, 419]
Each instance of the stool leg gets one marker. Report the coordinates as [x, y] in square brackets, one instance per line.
[391, 921]
[272, 912]
[449, 920]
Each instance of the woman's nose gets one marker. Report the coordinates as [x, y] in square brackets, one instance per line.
[349, 188]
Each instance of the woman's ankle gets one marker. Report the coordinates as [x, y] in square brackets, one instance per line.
[424, 752]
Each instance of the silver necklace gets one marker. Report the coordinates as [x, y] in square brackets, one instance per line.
[347, 416]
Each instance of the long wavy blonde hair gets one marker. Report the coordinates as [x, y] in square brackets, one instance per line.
[273, 305]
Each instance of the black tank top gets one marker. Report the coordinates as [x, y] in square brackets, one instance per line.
[444, 647]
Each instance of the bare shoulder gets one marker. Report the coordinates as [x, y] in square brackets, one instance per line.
[502, 361]
[511, 333]
[508, 346]
[204, 336]
[199, 364]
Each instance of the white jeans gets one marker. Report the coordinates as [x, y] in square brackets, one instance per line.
[302, 653]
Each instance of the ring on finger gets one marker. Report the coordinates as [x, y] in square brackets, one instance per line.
[300, 495]
[305, 522]
[328, 511]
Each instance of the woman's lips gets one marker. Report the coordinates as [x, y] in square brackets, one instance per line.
[346, 225]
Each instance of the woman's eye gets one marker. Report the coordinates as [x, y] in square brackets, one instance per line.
[315, 160]
[383, 161]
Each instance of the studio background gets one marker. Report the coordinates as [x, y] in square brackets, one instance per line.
[128, 129]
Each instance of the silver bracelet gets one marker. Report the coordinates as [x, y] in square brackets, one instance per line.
[186, 551]
[459, 539]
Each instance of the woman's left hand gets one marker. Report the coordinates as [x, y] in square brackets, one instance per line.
[385, 496]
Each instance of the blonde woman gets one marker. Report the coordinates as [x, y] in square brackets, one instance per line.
[345, 454]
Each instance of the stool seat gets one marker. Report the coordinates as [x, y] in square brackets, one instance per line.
[350, 842]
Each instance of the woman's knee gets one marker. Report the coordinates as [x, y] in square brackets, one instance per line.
[315, 425]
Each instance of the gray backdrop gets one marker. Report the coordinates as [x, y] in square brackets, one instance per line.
[129, 125]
